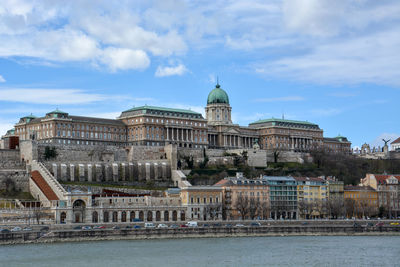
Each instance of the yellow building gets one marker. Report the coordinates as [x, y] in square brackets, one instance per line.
[360, 201]
[312, 197]
[202, 202]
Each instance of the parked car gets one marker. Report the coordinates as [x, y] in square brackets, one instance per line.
[304, 223]
[183, 226]
[99, 227]
[136, 220]
[44, 228]
[128, 227]
[149, 225]
[379, 224]
[217, 225]
[228, 225]
[27, 229]
[192, 224]
[86, 228]
[394, 223]
[77, 228]
[162, 225]
[4, 231]
[240, 225]
[255, 224]
[115, 227]
[16, 229]
[137, 227]
[173, 226]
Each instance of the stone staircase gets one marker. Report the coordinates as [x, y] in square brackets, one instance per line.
[44, 186]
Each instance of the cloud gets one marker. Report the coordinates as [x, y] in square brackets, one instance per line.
[179, 70]
[343, 94]
[280, 99]
[2, 80]
[326, 112]
[4, 127]
[53, 96]
[123, 59]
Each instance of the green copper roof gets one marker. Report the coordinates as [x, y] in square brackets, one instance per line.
[217, 95]
[285, 121]
[57, 111]
[177, 110]
[29, 117]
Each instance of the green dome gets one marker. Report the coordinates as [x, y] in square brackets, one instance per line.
[217, 95]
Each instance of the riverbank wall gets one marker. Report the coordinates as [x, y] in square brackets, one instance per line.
[200, 232]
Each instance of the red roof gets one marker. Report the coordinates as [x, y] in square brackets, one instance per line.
[223, 182]
[396, 141]
[381, 178]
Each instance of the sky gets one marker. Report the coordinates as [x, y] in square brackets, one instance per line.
[334, 63]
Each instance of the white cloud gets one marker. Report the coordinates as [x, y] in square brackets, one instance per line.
[179, 69]
[123, 59]
[2, 80]
[53, 96]
[281, 99]
[4, 127]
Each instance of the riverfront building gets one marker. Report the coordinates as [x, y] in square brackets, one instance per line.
[388, 188]
[360, 201]
[283, 197]
[159, 126]
[312, 197]
[241, 193]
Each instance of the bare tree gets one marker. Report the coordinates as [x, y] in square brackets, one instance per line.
[254, 207]
[242, 206]
[264, 209]
[349, 205]
[335, 207]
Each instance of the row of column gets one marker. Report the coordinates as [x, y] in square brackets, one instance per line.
[179, 134]
[112, 172]
[237, 141]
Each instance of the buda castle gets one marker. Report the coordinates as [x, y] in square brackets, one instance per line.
[160, 126]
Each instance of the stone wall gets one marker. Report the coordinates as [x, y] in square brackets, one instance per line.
[10, 159]
[31, 150]
[20, 179]
[146, 153]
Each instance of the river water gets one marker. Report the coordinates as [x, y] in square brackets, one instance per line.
[243, 251]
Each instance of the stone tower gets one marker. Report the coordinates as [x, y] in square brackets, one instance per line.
[218, 110]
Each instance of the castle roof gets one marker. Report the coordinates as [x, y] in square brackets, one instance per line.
[217, 96]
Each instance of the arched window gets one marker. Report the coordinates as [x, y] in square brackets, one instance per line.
[174, 215]
[123, 216]
[133, 216]
[115, 216]
[95, 217]
[141, 215]
[105, 217]
[166, 216]
[63, 216]
[158, 216]
[149, 216]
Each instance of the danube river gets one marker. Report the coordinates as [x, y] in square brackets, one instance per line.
[243, 251]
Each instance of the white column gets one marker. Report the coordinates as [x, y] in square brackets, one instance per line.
[167, 134]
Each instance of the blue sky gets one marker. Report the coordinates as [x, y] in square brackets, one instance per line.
[334, 63]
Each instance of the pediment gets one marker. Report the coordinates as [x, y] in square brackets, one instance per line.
[232, 131]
